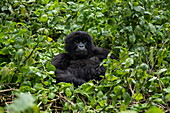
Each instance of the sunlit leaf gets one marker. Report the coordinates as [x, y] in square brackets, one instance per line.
[167, 90]
[137, 96]
[128, 111]
[51, 95]
[154, 110]
[43, 18]
[161, 71]
[139, 8]
[152, 28]
[68, 92]
[167, 97]
[129, 61]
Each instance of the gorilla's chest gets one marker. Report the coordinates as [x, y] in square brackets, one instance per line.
[85, 63]
[86, 68]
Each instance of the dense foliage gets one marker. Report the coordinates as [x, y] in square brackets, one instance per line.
[137, 31]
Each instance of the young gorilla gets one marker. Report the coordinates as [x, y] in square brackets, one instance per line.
[82, 61]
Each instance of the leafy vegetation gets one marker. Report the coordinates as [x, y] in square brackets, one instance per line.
[137, 31]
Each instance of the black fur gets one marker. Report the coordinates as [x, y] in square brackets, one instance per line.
[71, 67]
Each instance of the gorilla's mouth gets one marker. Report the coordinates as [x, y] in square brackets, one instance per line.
[81, 53]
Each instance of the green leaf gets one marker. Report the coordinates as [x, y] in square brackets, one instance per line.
[38, 86]
[129, 61]
[132, 38]
[154, 110]
[127, 98]
[152, 28]
[1, 110]
[19, 54]
[167, 97]
[23, 102]
[139, 8]
[68, 92]
[80, 105]
[51, 95]
[44, 1]
[144, 66]
[129, 111]
[137, 96]
[43, 31]
[43, 18]
[4, 71]
[100, 94]
[23, 10]
[50, 67]
[118, 90]
[102, 102]
[167, 90]
[161, 71]
[123, 107]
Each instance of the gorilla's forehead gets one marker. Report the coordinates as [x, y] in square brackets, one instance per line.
[78, 35]
[80, 38]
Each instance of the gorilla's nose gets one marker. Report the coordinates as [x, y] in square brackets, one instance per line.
[81, 46]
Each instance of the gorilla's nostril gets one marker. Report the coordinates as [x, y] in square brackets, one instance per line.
[81, 45]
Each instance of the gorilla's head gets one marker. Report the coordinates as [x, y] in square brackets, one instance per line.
[79, 45]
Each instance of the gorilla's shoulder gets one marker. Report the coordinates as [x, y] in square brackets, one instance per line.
[61, 60]
[101, 53]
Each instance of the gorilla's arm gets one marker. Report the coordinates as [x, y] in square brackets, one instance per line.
[61, 62]
[66, 76]
[102, 53]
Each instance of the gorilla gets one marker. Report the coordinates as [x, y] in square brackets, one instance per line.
[81, 62]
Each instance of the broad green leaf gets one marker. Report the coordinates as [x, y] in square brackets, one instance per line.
[4, 72]
[23, 10]
[132, 38]
[129, 111]
[68, 92]
[139, 8]
[102, 102]
[129, 61]
[118, 90]
[51, 95]
[44, 1]
[152, 28]
[43, 18]
[43, 31]
[144, 66]
[137, 96]
[154, 110]
[50, 67]
[167, 90]
[1, 110]
[161, 71]
[100, 94]
[167, 97]
[127, 98]
[19, 54]
[23, 102]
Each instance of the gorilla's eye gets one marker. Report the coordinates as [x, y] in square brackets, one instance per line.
[76, 41]
[83, 41]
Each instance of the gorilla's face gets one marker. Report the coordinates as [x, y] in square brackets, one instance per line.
[79, 45]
